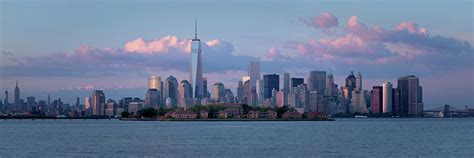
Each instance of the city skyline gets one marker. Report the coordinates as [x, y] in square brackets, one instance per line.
[333, 34]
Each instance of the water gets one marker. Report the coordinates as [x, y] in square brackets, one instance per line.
[402, 137]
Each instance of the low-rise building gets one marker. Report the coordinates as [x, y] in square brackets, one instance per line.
[317, 115]
[292, 115]
[181, 115]
[204, 114]
[230, 113]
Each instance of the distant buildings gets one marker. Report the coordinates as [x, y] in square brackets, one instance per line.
[377, 99]
[196, 78]
[387, 97]
[98, 102]
[270, 82]
[411, 95]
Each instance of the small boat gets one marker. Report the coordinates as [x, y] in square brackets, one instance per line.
[360, 116]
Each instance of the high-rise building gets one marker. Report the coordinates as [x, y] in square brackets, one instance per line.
[411, 95]
[152, 98]
[154, 82]
[317, 81]
[218, 92]
[5, 101]
[280, 98]
[286, 82]
[330, 86]
[396, 101]
[254, 72]
[312, 101]
[270, 82]
[204, 87]
[87, 103]
[350, 84]
[170, 90]
[196, 66]
[185, 94]
[358, 83]
[240, 91]
[377, 99]
[98, 102]
[387, 99]
[30, 103]
[245, 78]
[17, 97]
[295, 82]
[259, 90]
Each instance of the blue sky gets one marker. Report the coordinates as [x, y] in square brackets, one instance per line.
[37, 33]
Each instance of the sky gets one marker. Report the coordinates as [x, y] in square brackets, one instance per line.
[69, 48]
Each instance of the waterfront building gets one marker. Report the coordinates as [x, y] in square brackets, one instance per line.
[196, 66]
[387, 97]
[270, 82]
[6, 104]
[317, 81]
[87, 105]
[98, 102]
[377, 99]
[134, 106]
[411, 95]
[110, 108]
[396, 101]
[292, 115]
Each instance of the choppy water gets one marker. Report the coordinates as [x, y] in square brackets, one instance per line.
[340, 138]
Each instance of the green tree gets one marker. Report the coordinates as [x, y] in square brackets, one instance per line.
[148, 112]
[281, 110]
[125, 114]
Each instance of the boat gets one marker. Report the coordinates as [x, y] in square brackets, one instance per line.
[360, 116]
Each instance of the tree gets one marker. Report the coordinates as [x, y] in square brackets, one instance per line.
[245, 108]
[125, 114]
[281, 110]
[148, 112]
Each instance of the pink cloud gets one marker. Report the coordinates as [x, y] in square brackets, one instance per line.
[161, 45]
[324, 20]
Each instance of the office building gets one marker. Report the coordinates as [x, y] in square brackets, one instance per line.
[270, 82]
[317, 81]
[387, 97]
[377, 99]
[98, 103]
[196, 66]
[254, 72]
[411, 95]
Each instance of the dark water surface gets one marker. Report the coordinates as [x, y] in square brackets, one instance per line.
[402, 137]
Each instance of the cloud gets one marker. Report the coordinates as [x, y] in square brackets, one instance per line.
[404, 48]
[324, 20]
[137, 57]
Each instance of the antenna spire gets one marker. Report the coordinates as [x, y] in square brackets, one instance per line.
[195, 29]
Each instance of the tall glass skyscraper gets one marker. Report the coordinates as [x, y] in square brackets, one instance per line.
[196, 66]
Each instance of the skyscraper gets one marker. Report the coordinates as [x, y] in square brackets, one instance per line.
[286, 82]
[185, 94]
[170, 90]
[317, 81]
[154, 82]
[152, 98]
[204, 88]
[387, 97]
[240, 91]
[98, 102]
[87, 103]
[377, 99]
[296, 81]
[411, 95]
[5, 101]
[358, 84]
[17, 97]
[330, 86]
[254, 72]
[350, 84]
[259, 92]
[218, 91]
[196, 66]
[270, 82]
